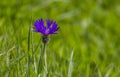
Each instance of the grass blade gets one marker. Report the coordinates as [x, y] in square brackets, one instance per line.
[70, 68]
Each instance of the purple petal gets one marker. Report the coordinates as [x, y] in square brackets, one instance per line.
[54, 28]
[49, 23]
[39, 25]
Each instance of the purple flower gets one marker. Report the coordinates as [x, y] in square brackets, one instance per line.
[51, 27]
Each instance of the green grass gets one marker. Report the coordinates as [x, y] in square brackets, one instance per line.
[87, 45]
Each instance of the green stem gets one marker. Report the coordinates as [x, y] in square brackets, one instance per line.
[45, 61]
[42, 62]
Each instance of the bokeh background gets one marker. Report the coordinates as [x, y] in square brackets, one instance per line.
[87, 45]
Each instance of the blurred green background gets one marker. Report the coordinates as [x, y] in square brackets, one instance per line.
[88, 28]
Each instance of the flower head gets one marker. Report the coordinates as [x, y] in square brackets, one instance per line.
[50, 28]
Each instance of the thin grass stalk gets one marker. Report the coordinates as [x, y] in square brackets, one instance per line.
[28, 55]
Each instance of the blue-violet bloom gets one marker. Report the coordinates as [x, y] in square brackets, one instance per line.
[51, 27]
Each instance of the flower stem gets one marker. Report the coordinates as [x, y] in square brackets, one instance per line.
[45, 60]
[42, 62]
